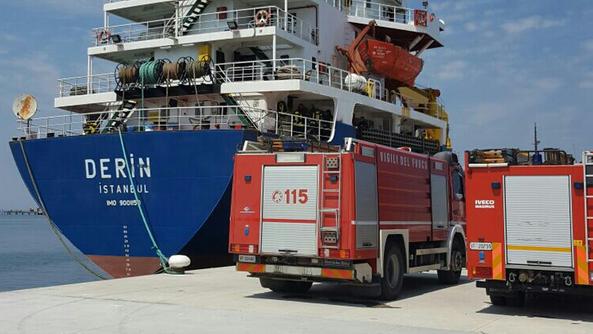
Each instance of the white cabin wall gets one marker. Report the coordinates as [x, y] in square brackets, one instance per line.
[307, 15]
[174, 54]
[334, 30]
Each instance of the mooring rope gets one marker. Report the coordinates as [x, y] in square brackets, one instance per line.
[150, 72]
[171, 71]
[162, 258]
[55, 229]
[196, 69]
[128, 74]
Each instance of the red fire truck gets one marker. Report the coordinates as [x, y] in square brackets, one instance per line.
[529, 222]
[366, 214]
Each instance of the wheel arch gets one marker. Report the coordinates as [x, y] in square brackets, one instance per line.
[457, 233]
[388, 237]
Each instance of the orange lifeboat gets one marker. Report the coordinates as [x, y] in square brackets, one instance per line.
[391, 61]
[369, 55]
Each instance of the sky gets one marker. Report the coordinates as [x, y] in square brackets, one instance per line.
[505, 65]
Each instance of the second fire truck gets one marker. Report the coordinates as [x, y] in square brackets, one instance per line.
[365, 214]
[530, 223]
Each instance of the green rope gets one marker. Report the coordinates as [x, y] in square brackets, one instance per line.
[52, 225]
[149, 73]
[155, 247]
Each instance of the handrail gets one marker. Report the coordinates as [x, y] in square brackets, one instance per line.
[206, 23]
[300, 69]
[379, 11]
[177, 119]
[278, 69]
[85, 85]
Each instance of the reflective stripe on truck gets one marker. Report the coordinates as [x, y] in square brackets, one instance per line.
[361, 272]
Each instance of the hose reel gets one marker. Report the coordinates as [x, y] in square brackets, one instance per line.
[163, 71]
[126, 75]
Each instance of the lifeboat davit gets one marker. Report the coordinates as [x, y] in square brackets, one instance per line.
[391, 61]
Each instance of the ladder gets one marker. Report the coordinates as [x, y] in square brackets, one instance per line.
[189, 16]
[588, 192]
[331, 197]
[121, 116]
[193, 15]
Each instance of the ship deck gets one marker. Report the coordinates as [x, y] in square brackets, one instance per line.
[224, 301]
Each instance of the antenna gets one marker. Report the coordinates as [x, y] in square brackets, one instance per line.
[535, 141]
[24, 107]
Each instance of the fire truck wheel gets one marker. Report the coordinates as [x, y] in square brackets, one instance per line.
[278, 285]
[516, 300]
[393, 274]
[498, 300]
[457, 260]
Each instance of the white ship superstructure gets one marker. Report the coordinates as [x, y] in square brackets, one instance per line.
[273, 61]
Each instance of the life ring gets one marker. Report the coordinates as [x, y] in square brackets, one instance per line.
[103, 36]
[261, 18]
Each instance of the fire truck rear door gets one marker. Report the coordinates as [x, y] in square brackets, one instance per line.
[538, 221]
[289, 210]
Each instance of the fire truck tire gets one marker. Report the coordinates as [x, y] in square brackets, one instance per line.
[278, 285]
[516, 300]
[452, 276]
[393, 274]
[498, 300]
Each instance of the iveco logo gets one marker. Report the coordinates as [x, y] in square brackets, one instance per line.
[484, 204]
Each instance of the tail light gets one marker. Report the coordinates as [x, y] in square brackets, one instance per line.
[344, 253]
[243, 248]
[482, 272]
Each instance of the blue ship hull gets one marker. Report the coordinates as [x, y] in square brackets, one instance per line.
[183, 180]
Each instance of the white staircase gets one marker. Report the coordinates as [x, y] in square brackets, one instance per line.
[188, 14]
[190, 17]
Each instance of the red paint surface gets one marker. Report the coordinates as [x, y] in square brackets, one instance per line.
[121, 266]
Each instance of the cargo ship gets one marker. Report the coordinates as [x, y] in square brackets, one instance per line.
[137, 165]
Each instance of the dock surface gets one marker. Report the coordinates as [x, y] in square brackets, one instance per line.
[224, 301]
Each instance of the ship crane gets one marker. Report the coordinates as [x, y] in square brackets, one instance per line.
[357, 65]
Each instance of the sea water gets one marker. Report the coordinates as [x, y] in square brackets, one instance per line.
[32, 256]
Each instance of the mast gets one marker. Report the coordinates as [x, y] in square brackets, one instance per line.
[535, 141]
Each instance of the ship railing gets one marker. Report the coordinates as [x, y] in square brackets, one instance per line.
[85, 85]
[269, 122]
[206, 23]
[299, 69]
[379, 11]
